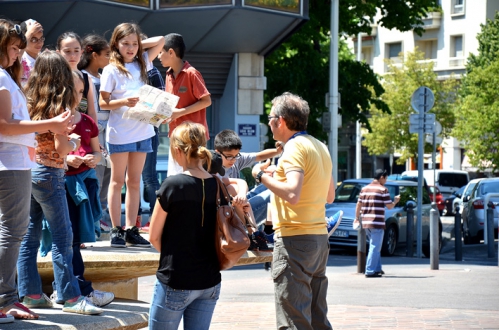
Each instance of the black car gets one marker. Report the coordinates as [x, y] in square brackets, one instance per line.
[450, 208]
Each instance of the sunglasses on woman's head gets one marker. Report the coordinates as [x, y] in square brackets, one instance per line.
[16, 29]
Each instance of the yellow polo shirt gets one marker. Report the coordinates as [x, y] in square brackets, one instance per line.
[306, 154]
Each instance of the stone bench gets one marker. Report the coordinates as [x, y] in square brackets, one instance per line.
[118, 270]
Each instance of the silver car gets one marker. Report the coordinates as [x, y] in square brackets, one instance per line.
[346, 198]
[474, 209]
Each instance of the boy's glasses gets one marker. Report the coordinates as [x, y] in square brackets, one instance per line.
[232, 157]
[35, 40]
[16, 29]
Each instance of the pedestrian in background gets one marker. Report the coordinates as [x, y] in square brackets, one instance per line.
[373, 199]
[302, 184]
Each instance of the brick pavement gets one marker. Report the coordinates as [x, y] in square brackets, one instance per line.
[243, 315]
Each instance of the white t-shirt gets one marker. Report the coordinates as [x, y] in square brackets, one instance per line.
[120, 130]
[14, 148]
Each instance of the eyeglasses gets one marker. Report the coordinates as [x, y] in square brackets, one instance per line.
[35, 40]
[232, 157]
[272, 117]
[16, 29]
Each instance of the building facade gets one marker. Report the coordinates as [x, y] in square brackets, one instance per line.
[449, 39]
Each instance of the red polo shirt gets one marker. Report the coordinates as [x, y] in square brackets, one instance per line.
[190, 87]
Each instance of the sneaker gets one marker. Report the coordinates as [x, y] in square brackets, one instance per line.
[375, 274]
[104, 227]
[5, 318]
[81, 306]
[100, 298]
[133, 238]
[42, 302]
[138, 221]
[55, 298]
[261, 241]
[145, 228]
[118, 237]
[333, 222]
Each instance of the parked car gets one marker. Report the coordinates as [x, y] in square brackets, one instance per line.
[447, 181]
[453, 201]
[439, 199]
[396, 219]
[474, 210]
[467, 192]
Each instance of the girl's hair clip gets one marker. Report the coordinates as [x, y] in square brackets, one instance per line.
[89, 49]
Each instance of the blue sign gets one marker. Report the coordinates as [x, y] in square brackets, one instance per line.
[246, 129]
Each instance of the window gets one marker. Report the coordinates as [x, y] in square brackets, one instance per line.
[141, 3]
[457, 7]
[367, 55]
[428, 47]
[286, 5]
[456, 51]
[394, 50]
[185, 3]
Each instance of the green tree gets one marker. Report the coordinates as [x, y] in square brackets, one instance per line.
[390, 132]
[301, 64]
[477, 116]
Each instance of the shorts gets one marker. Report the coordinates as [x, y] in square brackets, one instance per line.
[139, 146]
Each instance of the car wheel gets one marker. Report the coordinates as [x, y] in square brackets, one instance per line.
[390, 240]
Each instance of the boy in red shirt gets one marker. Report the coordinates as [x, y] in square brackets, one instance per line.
[187, 83]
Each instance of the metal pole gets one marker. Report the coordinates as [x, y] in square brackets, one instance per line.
[490, 230]
[410, 230]
[433, 160]
[358, 137]
[434, 241]
[333, 88]
[420, 183]
[457, 236]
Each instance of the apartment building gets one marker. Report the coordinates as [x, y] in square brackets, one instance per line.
[449, 39]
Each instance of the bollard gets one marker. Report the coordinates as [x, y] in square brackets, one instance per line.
[361, 250]
[410, 229]
[490, 230]
[458, 245]
[434, 243]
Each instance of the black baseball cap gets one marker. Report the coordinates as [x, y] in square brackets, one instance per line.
[216, 164]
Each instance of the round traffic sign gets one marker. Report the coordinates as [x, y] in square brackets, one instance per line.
[422, 99]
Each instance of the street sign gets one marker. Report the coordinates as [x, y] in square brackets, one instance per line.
[422, 100]
[428, 123]
[438, 128]
[429, 139]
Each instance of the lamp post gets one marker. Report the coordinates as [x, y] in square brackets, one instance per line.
[333, 88]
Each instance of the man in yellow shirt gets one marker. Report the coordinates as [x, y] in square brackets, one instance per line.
[302, 183]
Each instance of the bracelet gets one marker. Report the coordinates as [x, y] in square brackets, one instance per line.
[73, 143]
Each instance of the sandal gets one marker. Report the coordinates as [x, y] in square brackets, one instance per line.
[19, 311]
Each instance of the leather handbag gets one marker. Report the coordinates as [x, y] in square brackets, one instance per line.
[231, 239]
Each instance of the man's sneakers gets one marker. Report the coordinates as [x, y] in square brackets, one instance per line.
[5, 318]
[117, 237]
[81, 306]
[96, 297]
[122, 238]
[133, 238]
[100, 298]
[375, 274]
[333, 222]
[42, 302]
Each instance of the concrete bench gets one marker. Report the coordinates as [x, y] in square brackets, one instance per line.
[121, 314]
[118, 270]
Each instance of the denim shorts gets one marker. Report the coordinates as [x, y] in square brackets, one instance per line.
[139, 146]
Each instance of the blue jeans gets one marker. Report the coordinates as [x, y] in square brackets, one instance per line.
[373, 263]
[259, 198]
[168, 306]
[15, 194]
[149, 174]
[48, 198]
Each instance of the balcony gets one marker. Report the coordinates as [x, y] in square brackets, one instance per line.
[432, 21]
[456, 62]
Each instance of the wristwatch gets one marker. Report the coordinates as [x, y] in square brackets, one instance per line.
[258, 177]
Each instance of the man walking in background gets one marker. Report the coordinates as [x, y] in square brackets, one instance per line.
[373, 199]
